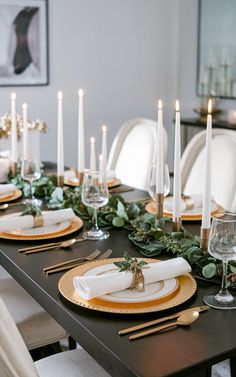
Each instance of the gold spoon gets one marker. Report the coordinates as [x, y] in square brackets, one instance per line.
[63, 244]
[6, 205]
[183, 320]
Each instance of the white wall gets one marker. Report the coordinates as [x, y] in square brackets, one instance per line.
[122, 53]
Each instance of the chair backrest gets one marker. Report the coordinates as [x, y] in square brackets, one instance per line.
[15, 360]
[133, 152]
[223, 167]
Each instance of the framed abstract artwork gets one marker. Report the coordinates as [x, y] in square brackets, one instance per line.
[24, 42]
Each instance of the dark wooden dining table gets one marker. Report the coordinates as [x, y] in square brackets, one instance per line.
[184, 351]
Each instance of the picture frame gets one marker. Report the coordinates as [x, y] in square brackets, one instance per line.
[24, 57]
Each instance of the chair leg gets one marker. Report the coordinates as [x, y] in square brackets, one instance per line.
[72, 343]
[41, 352]
[232, 363]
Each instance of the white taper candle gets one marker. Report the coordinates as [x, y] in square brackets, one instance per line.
[206, 205]
[25, 131]
[159, 151]
[92, 154]
[177, 172]
[60, 138]
[14, 147]
[104, 149]
[81, 152]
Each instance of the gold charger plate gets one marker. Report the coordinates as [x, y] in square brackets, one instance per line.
[75, 225]
[9, 198]
[150, 207]
[186, 289]
[110, 182]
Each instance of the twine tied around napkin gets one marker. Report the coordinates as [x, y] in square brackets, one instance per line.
[188, 201]
[38, 221]
[134, 266]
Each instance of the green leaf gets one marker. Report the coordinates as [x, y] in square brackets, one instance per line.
[121, 212]
[209, 270]
[118, 222]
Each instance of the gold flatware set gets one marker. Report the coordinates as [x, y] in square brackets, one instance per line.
[76, 262]
[185, 317]
[49, 246]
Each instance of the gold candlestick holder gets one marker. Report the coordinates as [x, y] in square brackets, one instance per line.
[14, 168]
[204, 238]
[60, 180]
[177, 224]
[80, 176]
[159, 204]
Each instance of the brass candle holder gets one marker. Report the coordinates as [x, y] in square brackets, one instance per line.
[80, 176]
[177, 224]
[204, 238]
[14, 168]
[60, 180]
[159, 204]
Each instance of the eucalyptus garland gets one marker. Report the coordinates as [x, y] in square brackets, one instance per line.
[152, 236]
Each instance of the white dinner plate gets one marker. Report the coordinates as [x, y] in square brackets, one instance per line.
[152, 291]
[42, 229]
[196, 211]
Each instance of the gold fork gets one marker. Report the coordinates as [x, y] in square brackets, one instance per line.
[70, 265]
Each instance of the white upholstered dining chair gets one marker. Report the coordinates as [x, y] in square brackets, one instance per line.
[223, 167]
[15, 360]
[36, 326]
[133, 151]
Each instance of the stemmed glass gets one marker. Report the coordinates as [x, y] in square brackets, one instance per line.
[152, 183]
[222, 245]
[30, 171]
[95, 195]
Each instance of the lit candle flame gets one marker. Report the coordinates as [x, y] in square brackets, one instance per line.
[210, 106]
[160, 104]
[104, 128]
[80, 92]
[176, 105]
[13, 96]
[92, 140]
[24, 106]
[59, 95]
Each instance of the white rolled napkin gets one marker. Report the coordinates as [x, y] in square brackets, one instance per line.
[111, 174]
[4, 168]
[25, 222]
[7, 189]
[89, 287]
[192, 201]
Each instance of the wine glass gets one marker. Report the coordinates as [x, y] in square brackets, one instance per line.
[222, 245]
[95, 195]
[152, 185]
[30, 171]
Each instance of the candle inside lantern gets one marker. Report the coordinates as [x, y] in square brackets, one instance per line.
[25, 132]
[206, 205]
[60, 139]
[104, 148]
[92, 154]
[159, 151]
[81, 153]
[177, 173]
[14, 149]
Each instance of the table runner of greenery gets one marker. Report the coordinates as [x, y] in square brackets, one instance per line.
[152, 236]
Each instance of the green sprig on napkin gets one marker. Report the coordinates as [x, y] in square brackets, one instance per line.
[129, 263]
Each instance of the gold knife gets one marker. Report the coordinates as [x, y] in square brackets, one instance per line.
[156, 321]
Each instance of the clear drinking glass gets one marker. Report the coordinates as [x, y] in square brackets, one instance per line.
[30, 171]
[95, 195]
[222, 245]
[152, 185]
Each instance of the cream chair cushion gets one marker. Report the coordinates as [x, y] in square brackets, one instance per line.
[37, 327]
[133, 151]
[15, 360]
[223, 167]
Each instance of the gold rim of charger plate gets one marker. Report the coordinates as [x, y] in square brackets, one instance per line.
[150, 208]
[75, 225]
[111, 183]
[187, 288]
[9, 198]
